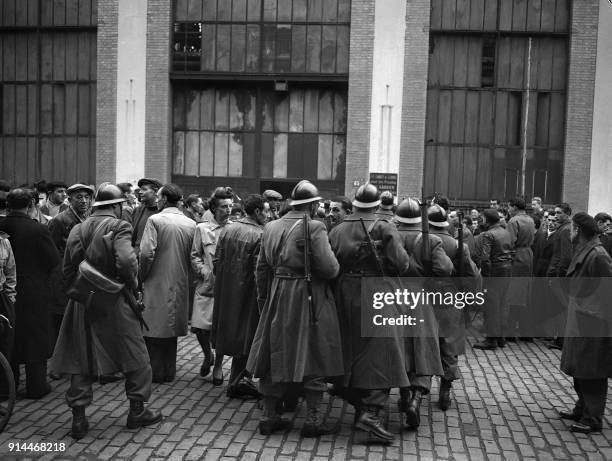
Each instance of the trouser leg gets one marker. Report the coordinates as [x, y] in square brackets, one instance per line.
[579, 407]
[169, 348]
[237, 369]
[156, 355]
[80, 393]
[138, 384]
[594, 397]
[449, 361]
[422, 382]
[375, 398]
[36, 378]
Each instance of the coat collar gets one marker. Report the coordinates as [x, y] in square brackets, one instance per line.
[171, 210]
[103, 213]
[249, 220]
[17, 214]
[365, 215]
[295, 214]
[581, 252]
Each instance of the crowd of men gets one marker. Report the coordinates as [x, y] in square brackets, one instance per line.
[277, 286]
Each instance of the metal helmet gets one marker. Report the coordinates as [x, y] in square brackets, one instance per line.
[367, 196]
[107, 194]
[437, 216]
[409, 211]
[304, 192]
[386, 200]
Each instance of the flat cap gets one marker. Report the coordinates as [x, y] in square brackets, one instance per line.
[272, 195]
[150, 181]
[80, 187]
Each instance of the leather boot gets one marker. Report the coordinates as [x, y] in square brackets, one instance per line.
[271, 420]
[139, 416]
[80, 426]
[444, 401]
[314, 425]
[370, 421]
[413, 411]
[487, 344]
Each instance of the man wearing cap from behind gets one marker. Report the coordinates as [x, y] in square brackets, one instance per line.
[79, 197]
[148, 207]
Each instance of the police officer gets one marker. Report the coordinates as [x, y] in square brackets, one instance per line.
[367, 377]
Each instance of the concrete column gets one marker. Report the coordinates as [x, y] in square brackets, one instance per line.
[600, 185]
[131, 91]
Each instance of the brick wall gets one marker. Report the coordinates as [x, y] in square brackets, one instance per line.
[416, 61]
[106, 110]
[360, 92]
[580, 93]
[157, 119]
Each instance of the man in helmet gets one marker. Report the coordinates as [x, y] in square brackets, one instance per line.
[386, 207]
[451, 324]
[94, 342]
[298, 337]
[367, 378]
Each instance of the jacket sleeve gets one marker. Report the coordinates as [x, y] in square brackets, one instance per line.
[565, 252]
[126, 262]
[199, 259]
[394, 249]
[10, 272]
[148, 246]
[218, 259]
[72, 257]
[323, 260]
[56, 227]
[263, 276]
[441, 264]
[513, 228]
[47, 251]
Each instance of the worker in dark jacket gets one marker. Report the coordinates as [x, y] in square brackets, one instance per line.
[367, 377]
[35, 257]
[587, 347]
[494, 257]
[148, 207]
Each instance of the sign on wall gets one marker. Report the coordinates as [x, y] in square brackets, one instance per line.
[385, 181]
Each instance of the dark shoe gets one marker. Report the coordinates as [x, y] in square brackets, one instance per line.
[584, 428]
[370, 422]
[40, 395]
[501, 342]
[139, 416]
[271, 425]
[444, 402]
[569, 415]
[208, 362]
[80, 426]
[317, 430]
[511, 339]
[487, 344]
[413, 410]
[248, 388]
[217, 379]
[106, 379]
[287, 404]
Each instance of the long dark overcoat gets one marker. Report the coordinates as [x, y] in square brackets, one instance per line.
[370, 363]
[35, 257]
[587, 348]
[288, 345]
[522, 232]
[235, 313]
[117, 341]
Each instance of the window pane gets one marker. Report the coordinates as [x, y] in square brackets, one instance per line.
[269, 38]
[223, 47]
[296, 111]
[252, 57]
[326, 112]
[178, 166]
[313, 58]
[338, 165]
[342, 49]
[254, 13]
[269, 10]
[194, 10]
[330, 10]
[284, 10]
[315, 10]
[193, 109]
[239, 10]
[340, 112]
[180, 11]
[324, 163]
[178, 108]
[208, 47]
[210, 10]
[281, 113]
[311, 110]
[235, 154]
[207, 109]
[267, 111]
[238, 47]
[280, 156]
[221, 140]
[222, 110]
[207, 149]
[328, 53]
[224, 10]
[299, 10]
[283, 48]
[247, 106]
[192, 153]
[236, 115]
[298, 49]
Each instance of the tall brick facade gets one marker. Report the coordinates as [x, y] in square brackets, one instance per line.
[360, 92]
[579, 112]
[416, 63]
[159, 104]
[106, 110]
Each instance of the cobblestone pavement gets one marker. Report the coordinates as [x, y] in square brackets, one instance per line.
[504, 408]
